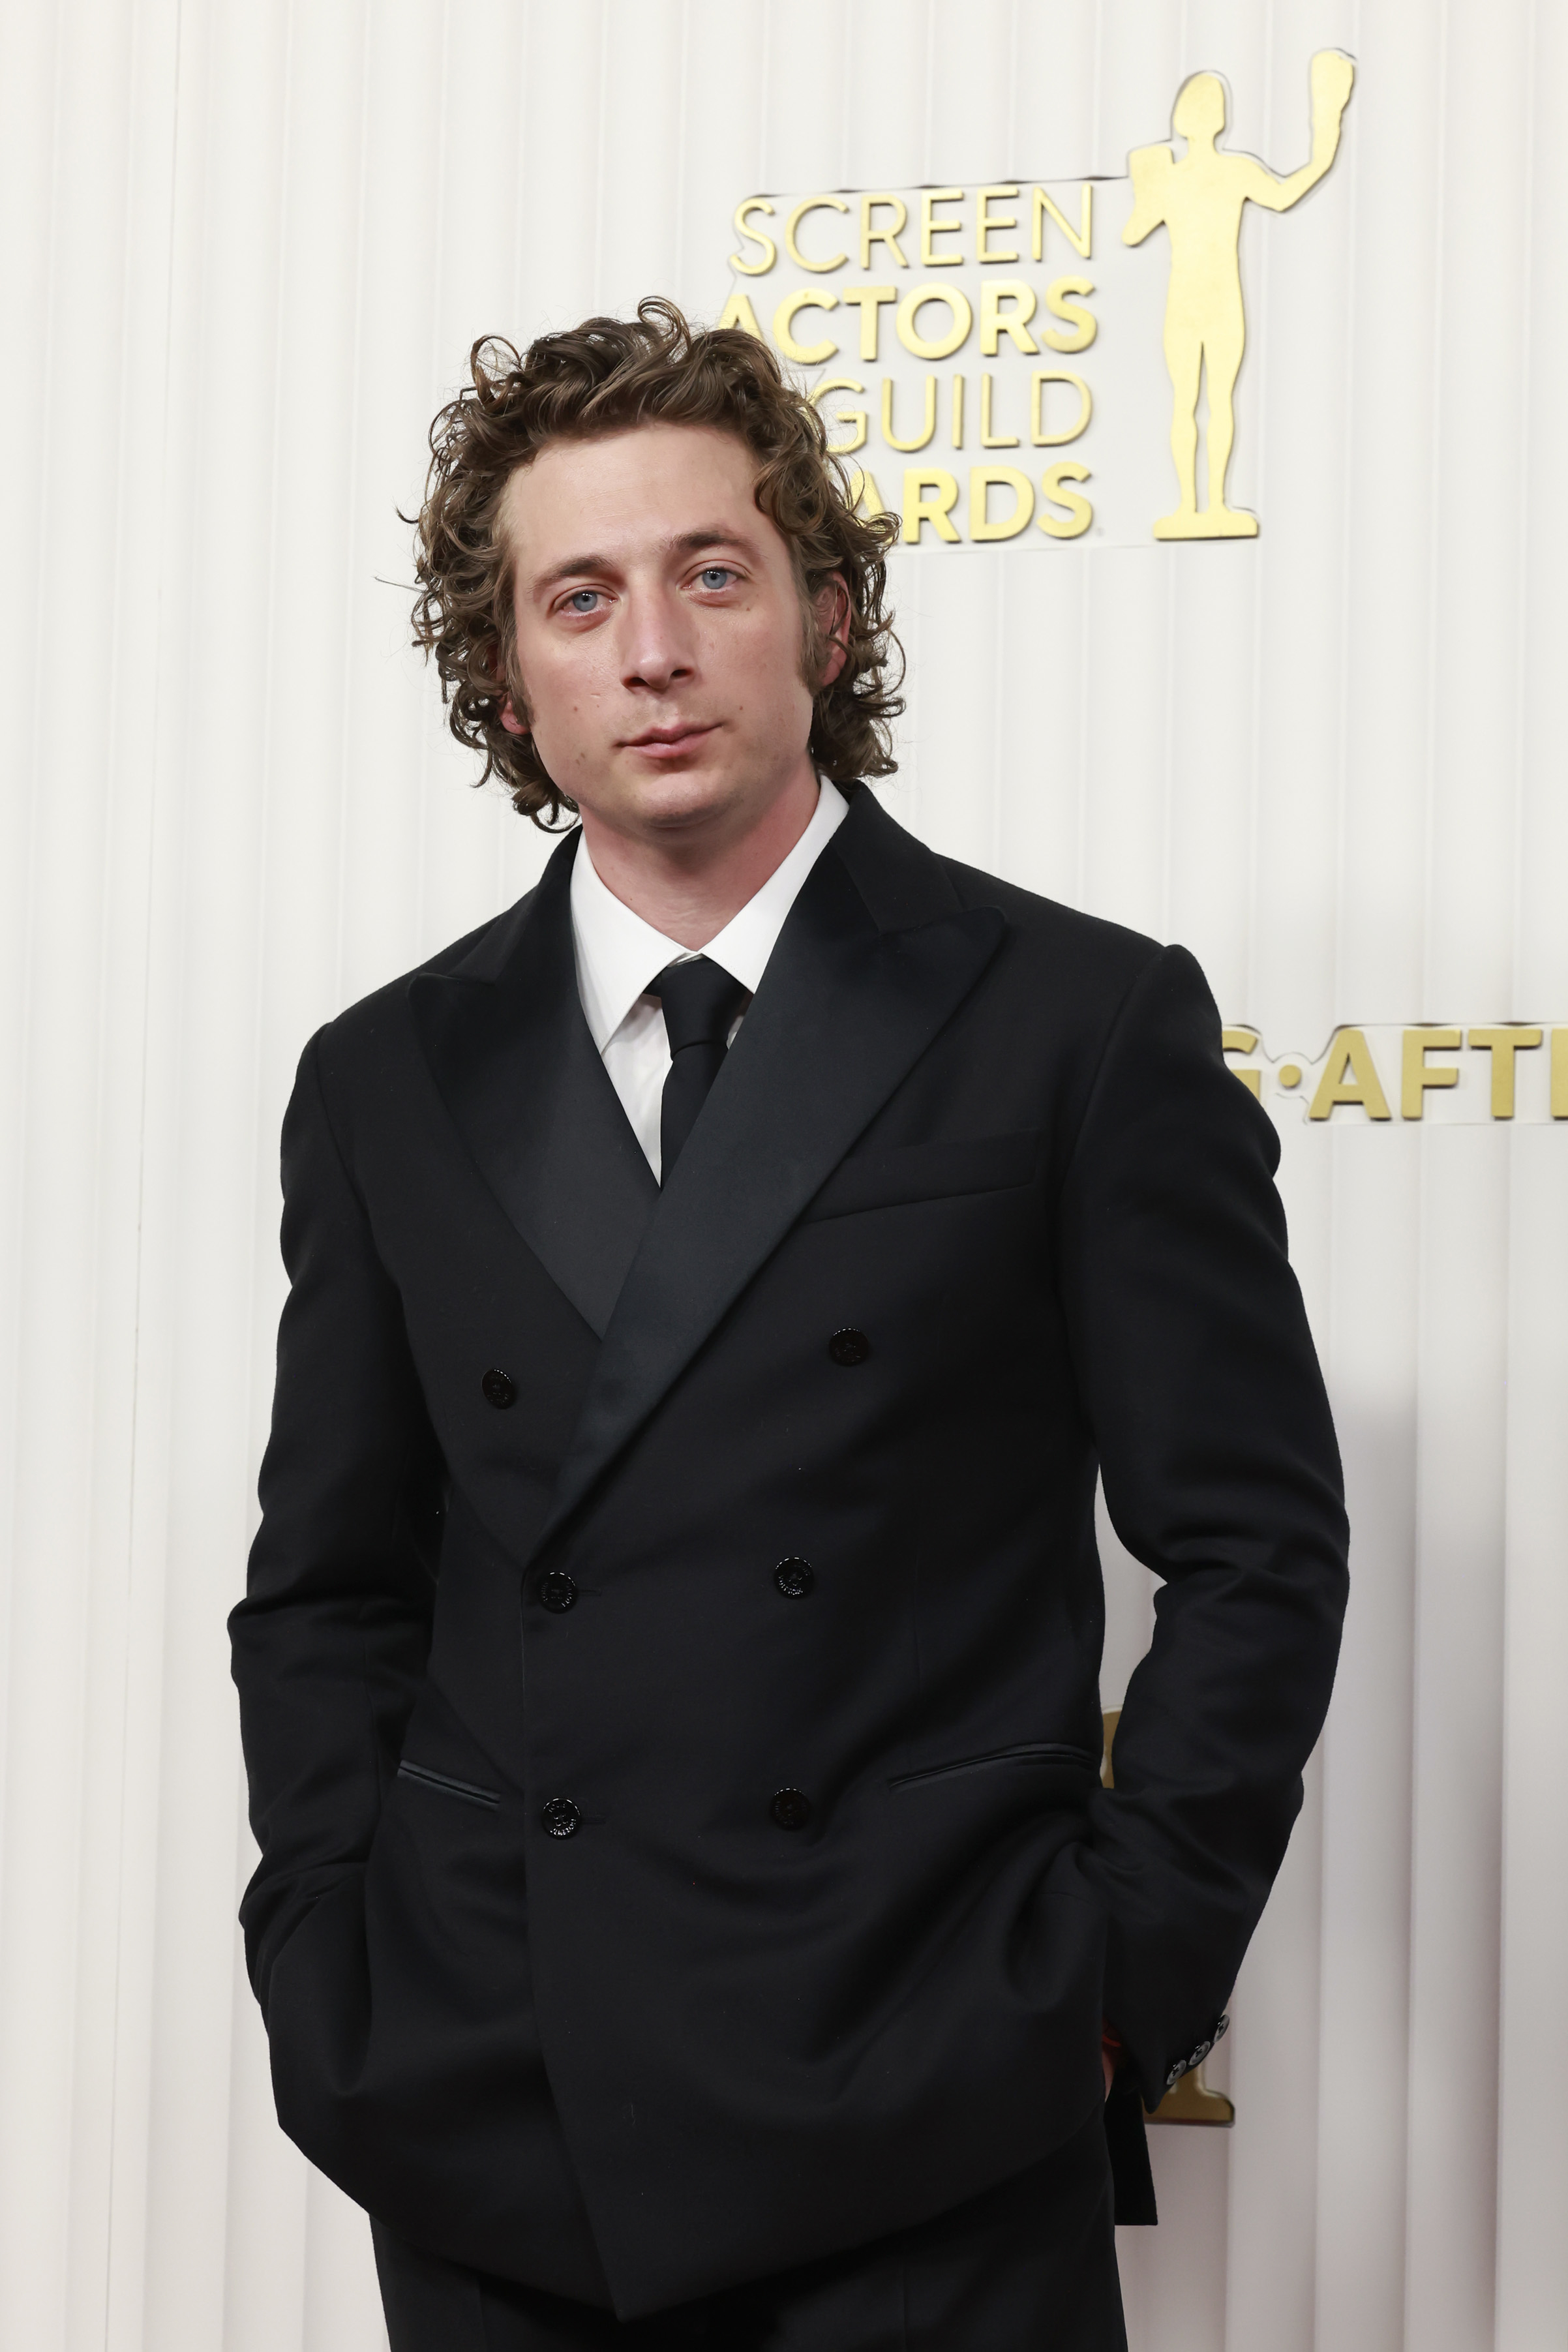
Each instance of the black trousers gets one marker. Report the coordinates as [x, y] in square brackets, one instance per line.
[1030, 2266]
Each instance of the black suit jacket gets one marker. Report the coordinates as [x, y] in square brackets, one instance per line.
[999, 1140]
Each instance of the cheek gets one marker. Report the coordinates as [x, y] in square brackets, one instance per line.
[562, 687]
[763, 661]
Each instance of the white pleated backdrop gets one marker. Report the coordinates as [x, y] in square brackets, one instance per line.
[245, 250]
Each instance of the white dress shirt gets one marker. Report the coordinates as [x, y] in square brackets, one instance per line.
[619, 955]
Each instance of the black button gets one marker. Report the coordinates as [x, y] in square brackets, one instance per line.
[499, 1388]
[558, 1592]
[795, 1578]
[561, 1817]
[791, 1810]
[848, 1346]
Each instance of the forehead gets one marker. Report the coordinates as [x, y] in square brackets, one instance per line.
[624, 493]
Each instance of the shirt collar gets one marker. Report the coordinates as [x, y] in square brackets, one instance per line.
[619, 955]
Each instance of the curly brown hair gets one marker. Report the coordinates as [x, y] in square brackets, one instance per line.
[601, 377]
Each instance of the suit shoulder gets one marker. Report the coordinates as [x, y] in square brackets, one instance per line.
[359, 1023]
[1102, 956]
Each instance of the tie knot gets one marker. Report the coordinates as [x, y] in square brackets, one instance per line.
[701, 1002]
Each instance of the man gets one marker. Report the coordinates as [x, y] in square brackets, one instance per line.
[689, 1912]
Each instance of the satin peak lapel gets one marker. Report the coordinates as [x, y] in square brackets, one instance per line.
[512, 1056]
[876, 956]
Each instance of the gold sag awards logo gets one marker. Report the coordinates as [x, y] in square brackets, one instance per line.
[875, 329]
[987, 362]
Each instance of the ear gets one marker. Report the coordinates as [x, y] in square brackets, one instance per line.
[509, 717]
[831, 607]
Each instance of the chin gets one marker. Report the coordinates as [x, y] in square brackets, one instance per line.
[686, 797]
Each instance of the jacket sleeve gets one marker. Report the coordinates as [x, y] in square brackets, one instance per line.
[331, 1641]
[1201, 1388]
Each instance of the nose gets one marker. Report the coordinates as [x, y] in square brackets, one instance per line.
[657, 649]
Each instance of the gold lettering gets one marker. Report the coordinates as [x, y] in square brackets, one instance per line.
[1349, 1076]
[738, 312]
[995, 324]
[1503, 1045]
[864, 494]
[889, 435]
[754, 236]
[887, 237]
[803, 354]
[937, 347]
[1084, 324]
[988, 220]
[958, 412]
[1079, 513]
[1415, 1077]
[989, 440]
[851, 417]
[930, 494]
[869, 301]
[1241, 1041]
[1560, 1074]
[1038, 434]
[813, 204]
[1080, 238]
[982, 479]
[932, 228]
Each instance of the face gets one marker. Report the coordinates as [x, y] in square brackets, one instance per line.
[659, 631]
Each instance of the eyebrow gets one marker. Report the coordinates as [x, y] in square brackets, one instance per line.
[570, 570]
[688, 542]
[692, 542]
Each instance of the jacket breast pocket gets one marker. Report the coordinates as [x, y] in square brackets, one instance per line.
[940, 1171]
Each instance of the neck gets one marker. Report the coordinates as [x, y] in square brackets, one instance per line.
[689, 884]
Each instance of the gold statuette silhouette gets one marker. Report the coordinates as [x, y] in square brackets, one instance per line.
[1199, 200]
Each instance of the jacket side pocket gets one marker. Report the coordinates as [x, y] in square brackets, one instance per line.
[447, 1787]
[1031, 1751]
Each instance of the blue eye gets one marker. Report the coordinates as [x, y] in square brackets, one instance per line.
[583, 600]
[716, 576]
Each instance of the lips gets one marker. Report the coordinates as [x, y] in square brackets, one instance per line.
[669, 743]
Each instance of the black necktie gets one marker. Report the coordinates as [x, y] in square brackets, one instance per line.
[701, 1002]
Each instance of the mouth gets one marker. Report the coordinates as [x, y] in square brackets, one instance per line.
[668, 743]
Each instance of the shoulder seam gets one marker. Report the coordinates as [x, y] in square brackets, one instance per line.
[312, 1055]
[1113, 1031]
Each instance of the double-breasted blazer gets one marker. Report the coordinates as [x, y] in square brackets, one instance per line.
[674, 1629]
